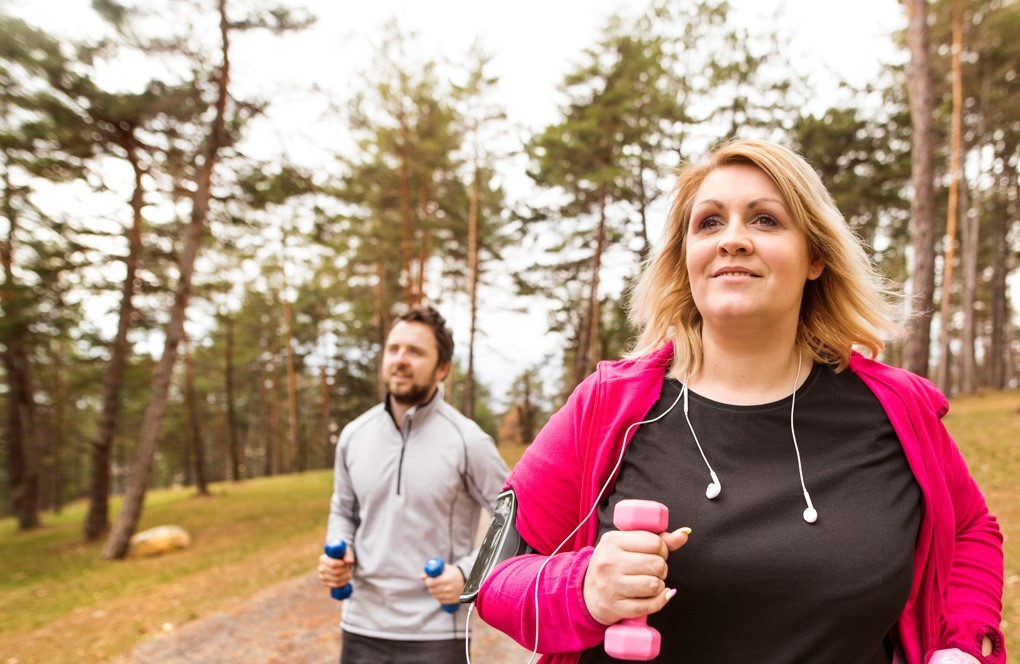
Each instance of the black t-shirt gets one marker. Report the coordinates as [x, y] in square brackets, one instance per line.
[755, 582]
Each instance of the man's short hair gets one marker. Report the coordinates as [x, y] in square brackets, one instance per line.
[426, 313]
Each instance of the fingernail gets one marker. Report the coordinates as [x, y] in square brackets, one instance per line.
[685, 530]
[670, 593]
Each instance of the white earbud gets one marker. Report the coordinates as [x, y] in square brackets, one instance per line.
[810, 513]
[714, 488]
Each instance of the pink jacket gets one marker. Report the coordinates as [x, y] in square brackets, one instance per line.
[956, 595]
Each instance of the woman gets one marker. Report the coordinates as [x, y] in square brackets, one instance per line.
[839, 523]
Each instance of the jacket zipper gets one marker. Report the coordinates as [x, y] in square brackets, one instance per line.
[403, 446]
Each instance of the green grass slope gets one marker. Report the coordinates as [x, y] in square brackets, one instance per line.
[59, 602]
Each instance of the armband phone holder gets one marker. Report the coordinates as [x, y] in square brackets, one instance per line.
[501, 541]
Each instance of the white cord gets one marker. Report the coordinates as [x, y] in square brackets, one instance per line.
[467, 633]
[810, 513]
[716, 485]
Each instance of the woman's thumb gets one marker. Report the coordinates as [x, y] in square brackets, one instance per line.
[676, 539]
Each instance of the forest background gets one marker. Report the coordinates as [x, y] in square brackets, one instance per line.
[182, 305]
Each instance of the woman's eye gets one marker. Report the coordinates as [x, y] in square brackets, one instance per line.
[707, 223]
[766, 220]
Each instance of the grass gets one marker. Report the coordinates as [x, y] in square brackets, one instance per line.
[59, 602]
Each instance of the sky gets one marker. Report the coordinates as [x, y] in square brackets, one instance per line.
[534, 43]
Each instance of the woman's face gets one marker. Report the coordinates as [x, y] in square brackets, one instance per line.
[747, 259]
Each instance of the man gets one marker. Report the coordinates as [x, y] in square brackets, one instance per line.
[411, 477]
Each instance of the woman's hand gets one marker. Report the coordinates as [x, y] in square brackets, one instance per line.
[625, 577]
[955, 656]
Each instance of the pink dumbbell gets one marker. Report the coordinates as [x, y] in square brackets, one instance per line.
[632, 638]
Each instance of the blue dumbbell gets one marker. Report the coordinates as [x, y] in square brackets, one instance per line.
[337, 548]
[433, 568]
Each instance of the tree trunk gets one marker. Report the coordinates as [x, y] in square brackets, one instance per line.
[1000, 326]
[918, 342]
[945, 374]
[382, 318]
[273, 465]
[469, 374]
[57, 441]
[97, 518]
[194, 438]
[159, 389]
[266, 413]
[424, 246]
[646, 243]
[293, 440]
[969, 259]
[231, 428]
[325, 415]
[410, 297]
[423, 257]
[588, 349]
[22, 455]
[527, 419]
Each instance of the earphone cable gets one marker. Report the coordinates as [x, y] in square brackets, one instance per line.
[467, 633]
[691, 427]
[810, 513]
[793, 433]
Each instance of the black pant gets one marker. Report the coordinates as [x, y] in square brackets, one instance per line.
[357, 649]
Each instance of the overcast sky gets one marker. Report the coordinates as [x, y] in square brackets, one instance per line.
[533, 43]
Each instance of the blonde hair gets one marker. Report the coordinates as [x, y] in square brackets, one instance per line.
[850, 304]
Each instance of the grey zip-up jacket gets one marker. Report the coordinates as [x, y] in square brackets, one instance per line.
[402, 496]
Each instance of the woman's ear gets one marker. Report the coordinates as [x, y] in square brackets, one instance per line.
[815, 269]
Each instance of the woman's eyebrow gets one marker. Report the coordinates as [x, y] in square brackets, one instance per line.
[750, 204]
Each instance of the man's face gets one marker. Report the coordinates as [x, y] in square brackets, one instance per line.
[410, 363]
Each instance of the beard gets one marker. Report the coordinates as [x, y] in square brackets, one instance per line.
[412, 394]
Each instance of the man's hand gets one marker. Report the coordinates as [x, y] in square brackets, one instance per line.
[334, 573]
[446, 587]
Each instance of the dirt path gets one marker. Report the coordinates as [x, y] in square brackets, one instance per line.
[292, 622]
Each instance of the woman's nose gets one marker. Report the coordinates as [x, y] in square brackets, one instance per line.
[735, 240]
